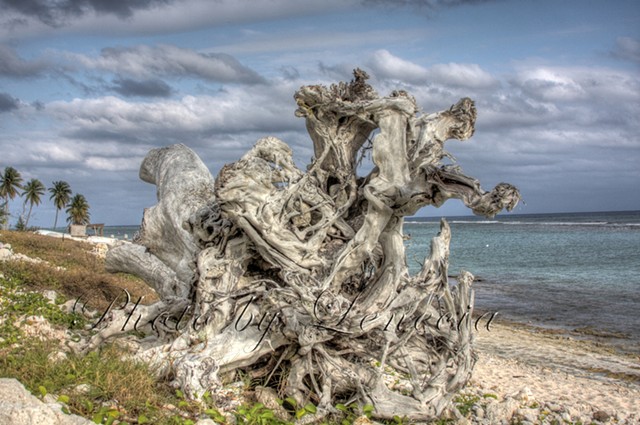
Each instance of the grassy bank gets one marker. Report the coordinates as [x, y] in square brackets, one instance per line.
[70, 268]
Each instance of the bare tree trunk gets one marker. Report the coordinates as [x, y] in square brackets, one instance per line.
[307, 270]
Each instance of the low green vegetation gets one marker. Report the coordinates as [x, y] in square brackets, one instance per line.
[465, 402]
[18, 305]
[103, 385]
[100, 383]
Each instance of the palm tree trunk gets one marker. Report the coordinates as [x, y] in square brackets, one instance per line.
[55, 222]
[6, 213]
[26, 223]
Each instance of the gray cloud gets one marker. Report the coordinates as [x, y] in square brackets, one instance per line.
[38, 105]
[57, 13]
[591, 87]
[627, 48]
[290, 72]
[337, 72]
[426, 5]
[8, 103]
[147, 62]
[144, 88]
[567, 135]
[192, 118]
[12, 65]
[28, 17]
[556, 132]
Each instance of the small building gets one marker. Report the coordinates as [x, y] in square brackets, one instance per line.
[78, 230]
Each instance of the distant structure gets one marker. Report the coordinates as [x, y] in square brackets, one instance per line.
[98, 229]
[78, 230]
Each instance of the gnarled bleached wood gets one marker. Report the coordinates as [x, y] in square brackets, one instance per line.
[306, 271]
[337, 133]
[136, 260]
[184, 185]
[284, 214]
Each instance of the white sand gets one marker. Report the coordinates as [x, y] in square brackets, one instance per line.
[542, 369]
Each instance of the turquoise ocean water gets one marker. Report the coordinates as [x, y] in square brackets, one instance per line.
[564, 271]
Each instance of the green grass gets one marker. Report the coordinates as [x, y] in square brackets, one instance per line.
[102, 385]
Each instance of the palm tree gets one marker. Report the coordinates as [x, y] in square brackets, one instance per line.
[78, 210]
[10, 182]
[60, 195]
[33, 190]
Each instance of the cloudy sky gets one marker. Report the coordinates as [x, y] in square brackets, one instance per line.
[88, 87]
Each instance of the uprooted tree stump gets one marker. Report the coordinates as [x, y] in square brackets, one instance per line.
[270, 269]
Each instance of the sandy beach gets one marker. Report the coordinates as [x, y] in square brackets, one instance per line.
[539, 376]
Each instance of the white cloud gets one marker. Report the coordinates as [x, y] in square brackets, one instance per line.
[318, 39]
[56, 152]
[174, 16]
[550, 84]
[450, 75]
[538, 121]
[113, 134]
[234, 110]
[461, 75]
[386, 65]
[112, 164]
[571, 84]
[191, 14]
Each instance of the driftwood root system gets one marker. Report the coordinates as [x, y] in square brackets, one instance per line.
[300, 277]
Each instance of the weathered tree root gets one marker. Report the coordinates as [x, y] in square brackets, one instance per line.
[306, 272]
